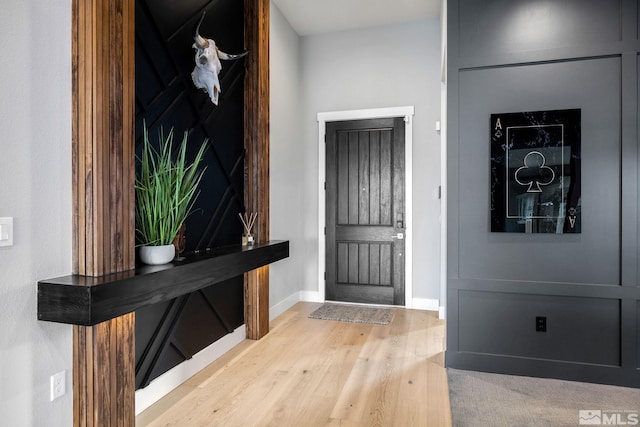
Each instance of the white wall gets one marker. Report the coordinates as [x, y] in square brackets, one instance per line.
[287, 154]
[379, 67]
[35, 189]
[388, 66]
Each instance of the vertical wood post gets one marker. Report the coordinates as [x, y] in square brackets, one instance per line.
[103, 205]
[256, 131]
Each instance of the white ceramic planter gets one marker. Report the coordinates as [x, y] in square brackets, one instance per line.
[157, 255]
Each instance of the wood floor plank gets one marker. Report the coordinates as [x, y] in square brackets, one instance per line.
[314, 389]
[310, 372]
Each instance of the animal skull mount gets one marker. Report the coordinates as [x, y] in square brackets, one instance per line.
[208, 66]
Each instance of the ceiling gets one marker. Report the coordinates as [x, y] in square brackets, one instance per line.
[308, 17]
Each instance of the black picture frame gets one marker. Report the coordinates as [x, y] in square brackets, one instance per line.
[535, 177]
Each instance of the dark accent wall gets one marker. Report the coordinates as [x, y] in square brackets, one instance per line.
[522, 55]
[169, 333]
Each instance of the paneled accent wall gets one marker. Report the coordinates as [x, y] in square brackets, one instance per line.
[168, 334]
[178, 329]
[166, 97]
[517, 56]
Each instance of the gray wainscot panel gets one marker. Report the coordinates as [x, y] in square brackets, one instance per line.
[583, 330]
[507, 26]
[587, 258]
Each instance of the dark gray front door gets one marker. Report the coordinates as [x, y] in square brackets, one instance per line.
[365, 211]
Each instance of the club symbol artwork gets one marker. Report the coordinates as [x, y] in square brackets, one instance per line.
[535, 182]
[535, 172]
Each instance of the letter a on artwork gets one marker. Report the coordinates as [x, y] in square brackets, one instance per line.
[498, 124]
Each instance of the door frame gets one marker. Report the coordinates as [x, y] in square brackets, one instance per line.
[375, 113]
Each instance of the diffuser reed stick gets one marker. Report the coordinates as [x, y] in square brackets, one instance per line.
[248, 221]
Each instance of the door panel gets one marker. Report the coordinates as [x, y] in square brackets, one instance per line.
[364, 263]
[365, 210]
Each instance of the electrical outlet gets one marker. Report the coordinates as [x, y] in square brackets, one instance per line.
[58, 386]
[541, 324]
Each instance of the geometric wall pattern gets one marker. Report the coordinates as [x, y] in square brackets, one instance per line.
[169, 333]
[172, 332]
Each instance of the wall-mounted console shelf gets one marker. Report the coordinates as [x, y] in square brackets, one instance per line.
[87, 301]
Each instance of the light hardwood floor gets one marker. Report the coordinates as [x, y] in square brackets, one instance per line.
[309, 372]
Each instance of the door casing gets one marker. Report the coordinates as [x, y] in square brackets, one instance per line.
[407, 112]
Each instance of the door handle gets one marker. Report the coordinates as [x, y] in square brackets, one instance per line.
[398, 236]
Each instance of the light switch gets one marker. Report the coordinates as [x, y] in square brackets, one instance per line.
[6, 231]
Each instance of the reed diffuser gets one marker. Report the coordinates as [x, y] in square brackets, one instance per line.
[248, 221]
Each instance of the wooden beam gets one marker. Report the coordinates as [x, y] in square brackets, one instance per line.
[88, 301]
[256, 137]
[103, 209]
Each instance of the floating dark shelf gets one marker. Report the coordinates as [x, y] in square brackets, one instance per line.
[85, 300]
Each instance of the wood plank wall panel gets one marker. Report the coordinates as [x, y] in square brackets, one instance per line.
[257, 158]
[103, 132]
[104, 392]
[103, 104]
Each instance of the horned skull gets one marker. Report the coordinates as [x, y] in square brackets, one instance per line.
[208, 66]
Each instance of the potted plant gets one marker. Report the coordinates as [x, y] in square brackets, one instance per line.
[166, 189]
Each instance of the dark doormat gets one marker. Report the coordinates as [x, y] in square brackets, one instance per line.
[354, 313]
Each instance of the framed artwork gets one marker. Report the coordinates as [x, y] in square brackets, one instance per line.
[535, 172]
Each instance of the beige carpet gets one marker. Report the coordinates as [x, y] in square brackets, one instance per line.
[354, 313]
[481, 399]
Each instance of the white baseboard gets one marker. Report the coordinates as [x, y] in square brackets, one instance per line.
[425, 304]
[306, 296]
[417, 303]
[310, 296]
[284, 305]
[171, 379]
